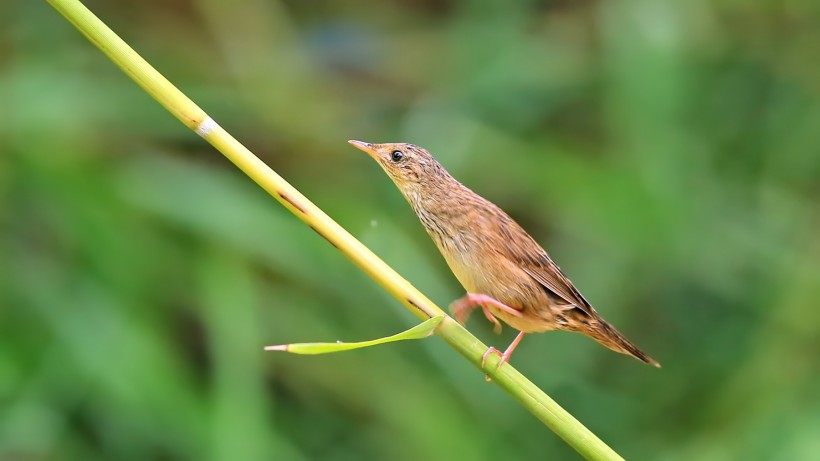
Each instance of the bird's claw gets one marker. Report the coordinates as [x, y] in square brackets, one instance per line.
[484, 357]
[504, 359]
[461, 310]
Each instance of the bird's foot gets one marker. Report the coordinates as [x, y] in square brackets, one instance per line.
[505, 357]
[491, 351]
[462, 308]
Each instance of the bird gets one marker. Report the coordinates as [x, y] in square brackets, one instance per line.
[504, 270]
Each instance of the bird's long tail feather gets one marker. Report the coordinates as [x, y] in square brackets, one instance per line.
[610, 337]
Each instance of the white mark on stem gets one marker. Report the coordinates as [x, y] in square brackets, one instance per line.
[205, 128]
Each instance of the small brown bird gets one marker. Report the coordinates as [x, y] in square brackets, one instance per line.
[503, 269]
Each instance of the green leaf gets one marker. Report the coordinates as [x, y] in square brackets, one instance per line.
[419, 331]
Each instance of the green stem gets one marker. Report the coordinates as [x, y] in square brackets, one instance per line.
[523, 390]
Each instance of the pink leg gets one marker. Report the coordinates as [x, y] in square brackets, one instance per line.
[463, 306]
[505, 357]
[483, 300]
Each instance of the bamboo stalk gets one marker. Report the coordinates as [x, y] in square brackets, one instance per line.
[523, 390]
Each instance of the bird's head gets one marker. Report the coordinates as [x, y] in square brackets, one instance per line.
[408, 165]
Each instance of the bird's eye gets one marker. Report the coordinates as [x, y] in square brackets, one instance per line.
[396, 155]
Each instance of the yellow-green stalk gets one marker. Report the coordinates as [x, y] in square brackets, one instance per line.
[523, 390]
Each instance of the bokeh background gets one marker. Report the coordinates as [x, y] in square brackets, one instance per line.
[665, 152]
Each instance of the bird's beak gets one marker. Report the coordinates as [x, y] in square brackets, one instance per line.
[364, 146]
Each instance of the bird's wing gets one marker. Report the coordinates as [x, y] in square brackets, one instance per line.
[547, 273]
[525, 252]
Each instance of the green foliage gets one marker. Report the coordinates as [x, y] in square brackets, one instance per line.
[664, 152]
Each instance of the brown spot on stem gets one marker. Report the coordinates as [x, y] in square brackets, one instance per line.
[323, 236]
[424, 311]
[287, 198]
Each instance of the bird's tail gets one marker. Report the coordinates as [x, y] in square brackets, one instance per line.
[607, 335]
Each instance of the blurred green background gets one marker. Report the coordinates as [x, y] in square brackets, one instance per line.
[664, 152]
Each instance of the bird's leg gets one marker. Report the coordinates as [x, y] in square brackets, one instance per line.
[505, 357]
[463, 306]
[484, 300]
